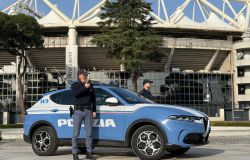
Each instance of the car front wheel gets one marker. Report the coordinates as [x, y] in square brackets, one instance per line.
[44, 141]
[148, 143]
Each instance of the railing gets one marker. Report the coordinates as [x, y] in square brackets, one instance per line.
[197, 43]
[169, 42]
[54, 42]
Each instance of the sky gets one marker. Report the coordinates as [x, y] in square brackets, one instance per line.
[67, 6]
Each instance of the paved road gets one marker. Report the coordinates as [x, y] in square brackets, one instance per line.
[220, 148]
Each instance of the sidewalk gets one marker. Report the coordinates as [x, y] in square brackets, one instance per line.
[216, 131]
[230, 131]
[12, 133]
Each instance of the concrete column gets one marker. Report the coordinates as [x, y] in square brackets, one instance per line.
[234, 79]
[72, 35]
[122, 66]
[71, 56]
[6, 118]
[211, 62]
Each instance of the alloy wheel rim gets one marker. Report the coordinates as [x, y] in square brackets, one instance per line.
[149, 143]
[42, 141]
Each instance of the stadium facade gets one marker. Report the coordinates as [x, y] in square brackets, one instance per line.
[206, 64]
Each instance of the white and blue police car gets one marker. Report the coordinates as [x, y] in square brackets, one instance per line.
[124, 119]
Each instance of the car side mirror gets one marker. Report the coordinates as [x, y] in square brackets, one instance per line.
[112, 101]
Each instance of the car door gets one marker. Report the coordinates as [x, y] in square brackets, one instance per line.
[61, 115]
[109, 123]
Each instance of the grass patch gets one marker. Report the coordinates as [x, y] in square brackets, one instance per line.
[19, 125]
[230, 123]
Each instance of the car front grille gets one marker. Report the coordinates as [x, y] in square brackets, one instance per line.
[197, 138]
[205, 121]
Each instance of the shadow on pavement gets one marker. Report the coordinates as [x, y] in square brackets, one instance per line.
[101, 152]
[106, 152]
[63, 152]
[196, 153]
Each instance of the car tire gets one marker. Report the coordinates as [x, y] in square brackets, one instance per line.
[178, 151]
[44, 141]
[148, 143]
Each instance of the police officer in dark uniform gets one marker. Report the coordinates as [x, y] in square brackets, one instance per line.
[145, 92]
[84, 110]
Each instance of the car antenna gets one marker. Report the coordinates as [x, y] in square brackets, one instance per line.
[61, 76]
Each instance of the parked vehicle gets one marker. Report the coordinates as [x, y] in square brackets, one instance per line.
[124, 119]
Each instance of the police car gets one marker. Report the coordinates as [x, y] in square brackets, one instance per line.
[124, 119]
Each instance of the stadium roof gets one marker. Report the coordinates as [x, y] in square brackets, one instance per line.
[220, 15]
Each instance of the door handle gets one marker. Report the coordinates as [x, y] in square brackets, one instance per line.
[54, 110]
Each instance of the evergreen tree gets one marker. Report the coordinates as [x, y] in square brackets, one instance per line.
[18, 34]
[126, 31]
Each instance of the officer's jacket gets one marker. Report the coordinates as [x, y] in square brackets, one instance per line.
[83, 95]
[147, 94]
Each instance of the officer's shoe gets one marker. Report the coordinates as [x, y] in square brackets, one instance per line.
[75, 157]
[89, 156]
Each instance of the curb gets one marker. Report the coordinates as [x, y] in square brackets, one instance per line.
[11, 134]
[225, 128]
[230, 131]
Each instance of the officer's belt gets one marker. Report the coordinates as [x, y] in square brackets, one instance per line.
[83, 107]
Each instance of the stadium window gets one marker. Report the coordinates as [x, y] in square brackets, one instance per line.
[241, 89]
[241, 72]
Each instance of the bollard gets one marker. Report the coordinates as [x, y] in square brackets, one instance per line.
[1, 136]
[6, 117]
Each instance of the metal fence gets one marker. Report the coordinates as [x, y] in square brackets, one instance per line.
[205, 92]
[35, 84]
[202, 91]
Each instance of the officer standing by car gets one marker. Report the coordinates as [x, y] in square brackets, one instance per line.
[84, 110]
[145, 92]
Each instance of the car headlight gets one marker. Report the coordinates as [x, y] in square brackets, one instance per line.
[186, 118]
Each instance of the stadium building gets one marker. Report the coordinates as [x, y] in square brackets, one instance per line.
[206, 64]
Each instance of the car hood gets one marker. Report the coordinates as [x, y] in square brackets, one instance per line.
[176, 110]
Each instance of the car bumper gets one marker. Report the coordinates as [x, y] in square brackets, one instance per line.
[26, 138]
[187, 134]
[196, 139]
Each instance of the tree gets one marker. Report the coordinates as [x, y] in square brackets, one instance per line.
[126, 31]
[18, 34]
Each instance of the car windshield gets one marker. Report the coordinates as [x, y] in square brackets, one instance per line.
[130, 97]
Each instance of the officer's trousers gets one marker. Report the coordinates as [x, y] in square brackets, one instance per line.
[78, 118]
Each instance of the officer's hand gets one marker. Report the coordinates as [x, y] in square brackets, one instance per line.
[94, 114]
[87, 85]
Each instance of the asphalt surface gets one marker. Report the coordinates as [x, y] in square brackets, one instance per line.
[220, 148]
